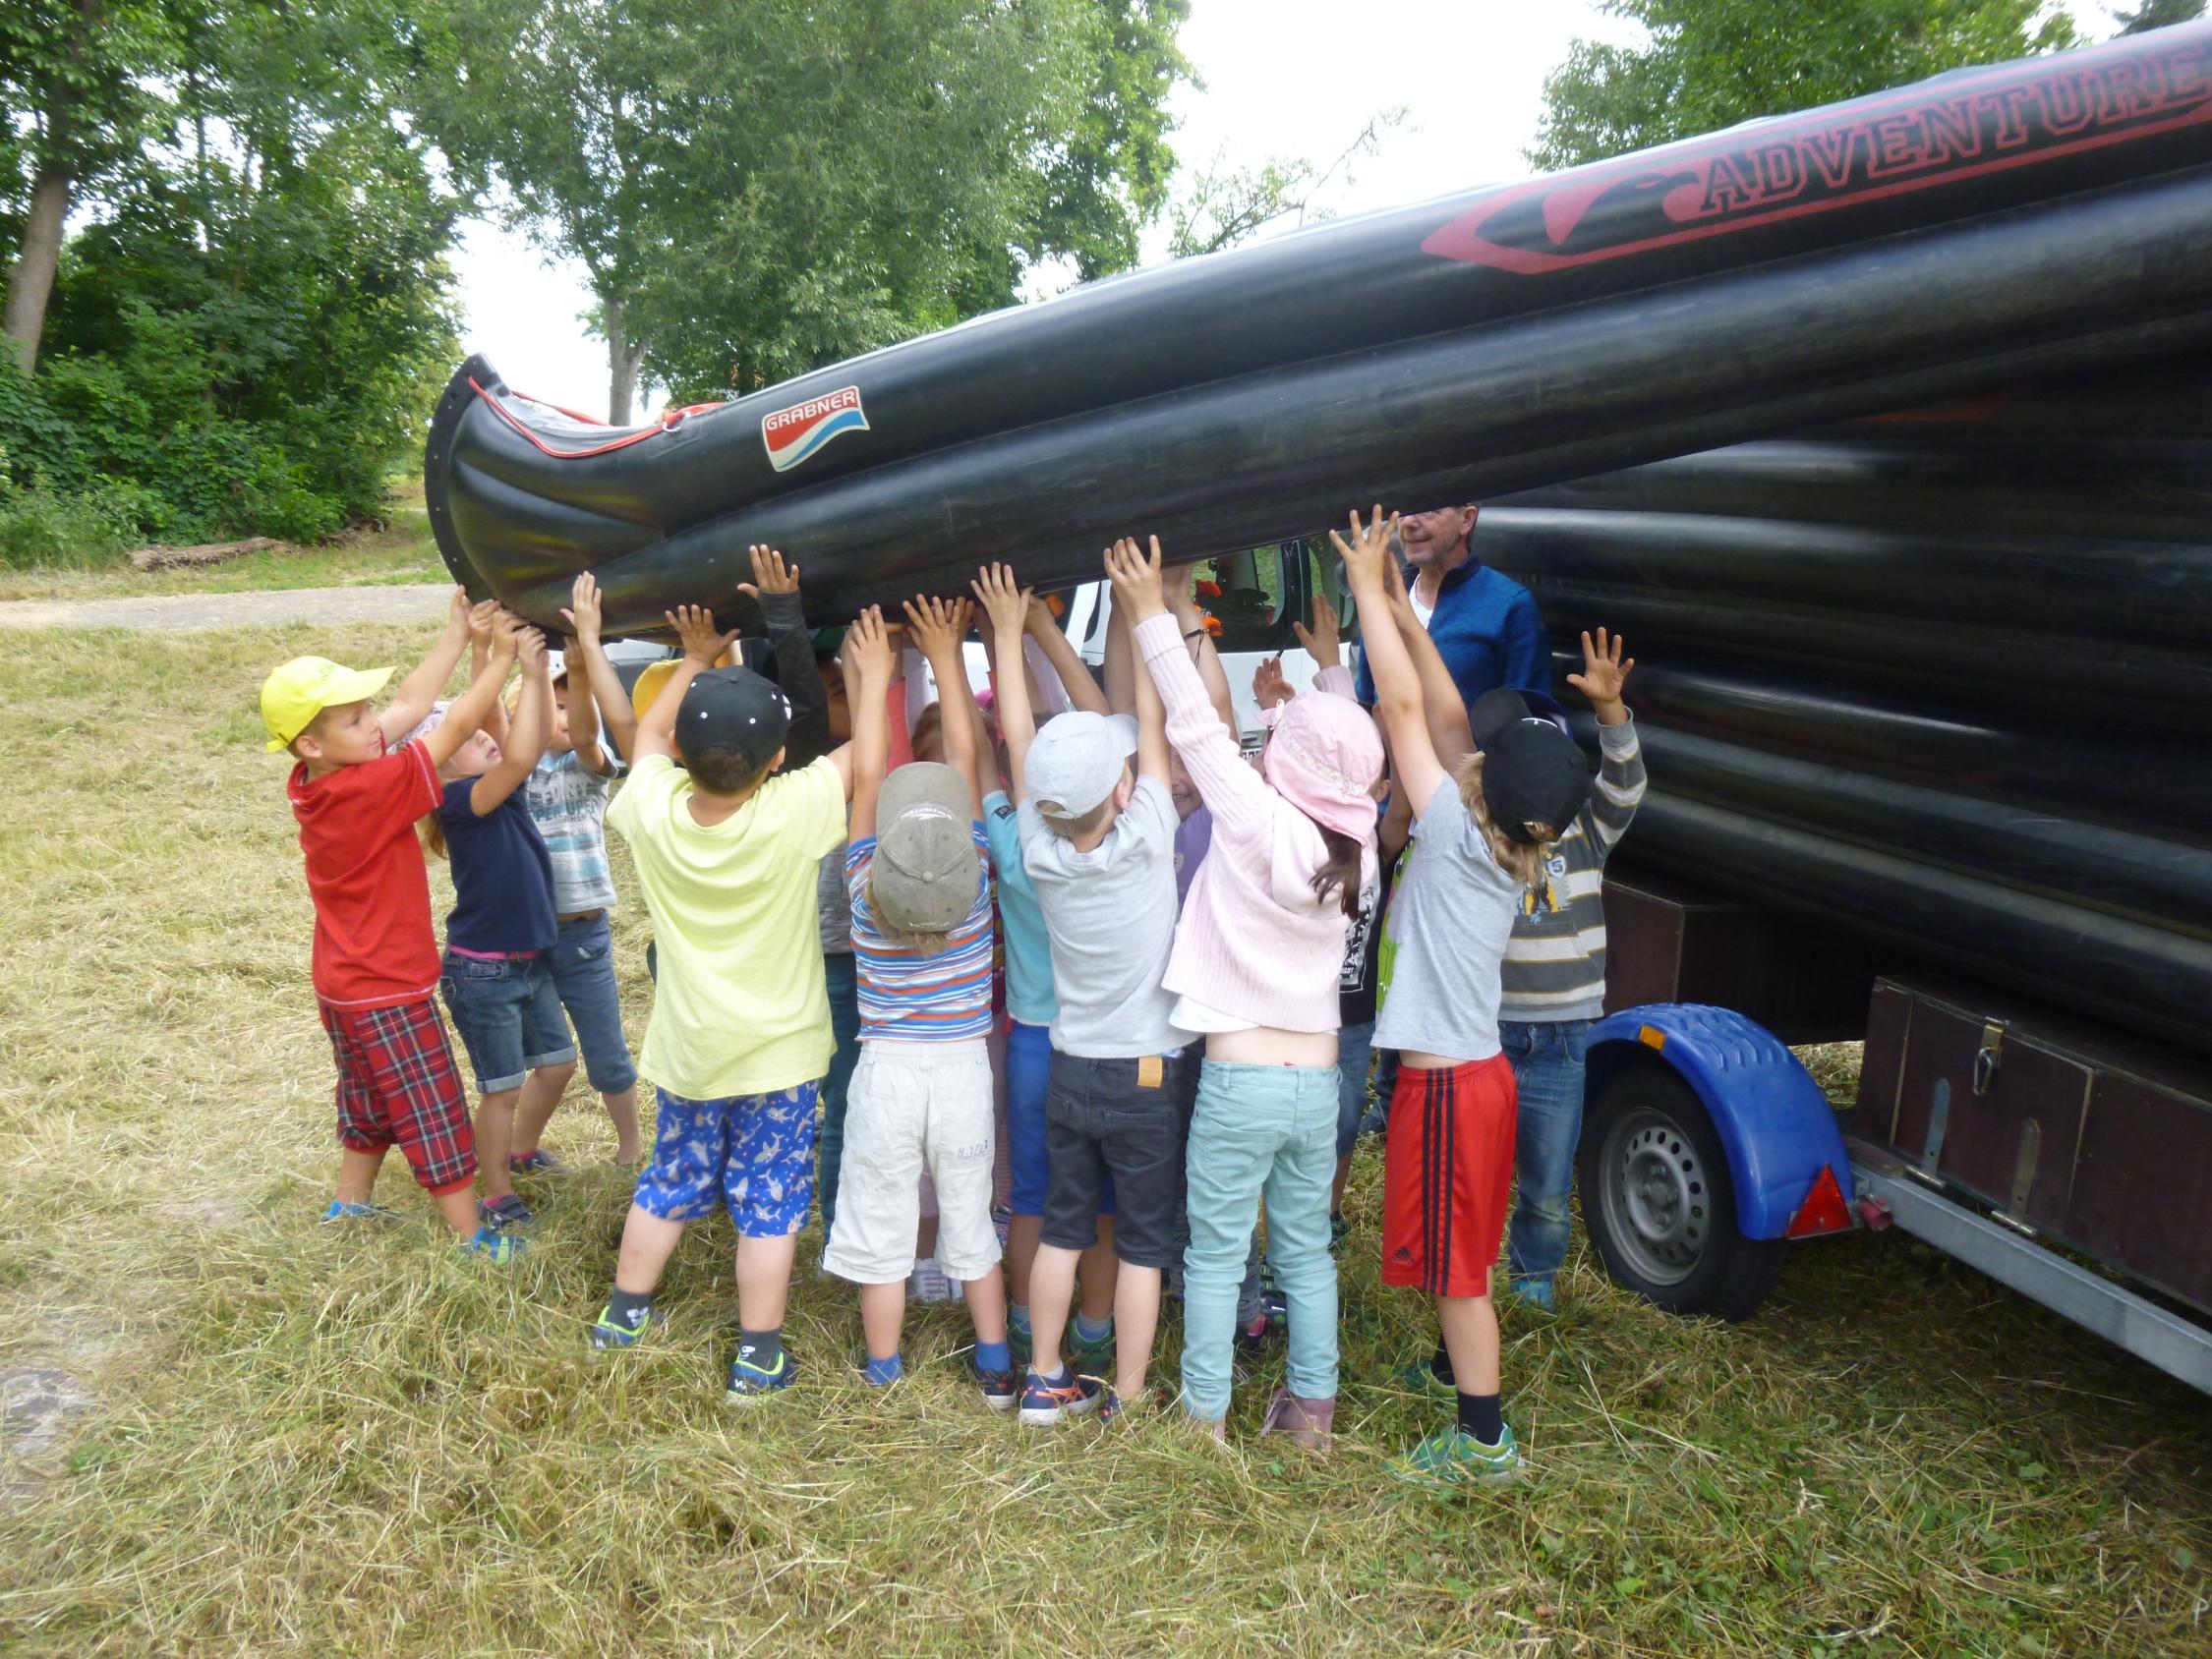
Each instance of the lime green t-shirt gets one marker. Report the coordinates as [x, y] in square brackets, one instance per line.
[738, 1007]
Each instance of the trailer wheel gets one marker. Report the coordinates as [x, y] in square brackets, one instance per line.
[1660, 1204]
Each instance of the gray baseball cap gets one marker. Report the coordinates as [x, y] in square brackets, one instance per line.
[1075, 763]
[926, 868]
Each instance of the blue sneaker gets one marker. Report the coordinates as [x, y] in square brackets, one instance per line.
[342, 1210]
[496, 1247]
[1054, 1400]
[1535, 1294]
[608, 1332]
[501, 1214]
[749, 1383]
[999, 1389]
[538, 1163]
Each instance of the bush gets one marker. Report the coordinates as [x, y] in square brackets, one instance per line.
[47, 527]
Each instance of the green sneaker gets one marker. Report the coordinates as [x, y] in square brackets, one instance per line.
[1454, 1454]
[608, 1332]
[749, 1383]
[1091, 1358]
[494, 1246]
[1422, 1379]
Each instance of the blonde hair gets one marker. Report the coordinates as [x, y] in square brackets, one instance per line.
[920, 943]
[1068, 829]
[432, 833]
[1521, 860]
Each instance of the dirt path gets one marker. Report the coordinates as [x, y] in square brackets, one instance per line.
[408, 602]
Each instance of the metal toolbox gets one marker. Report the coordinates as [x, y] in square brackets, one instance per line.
[2093, 1141]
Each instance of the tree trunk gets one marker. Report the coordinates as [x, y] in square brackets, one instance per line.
[624, 355]
[30, 280]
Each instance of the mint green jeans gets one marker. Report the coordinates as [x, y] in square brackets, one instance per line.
[1259, 1130]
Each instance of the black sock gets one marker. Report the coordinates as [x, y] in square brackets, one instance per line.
[761, 1349]
[1479, 1416]
[629, 1308]
[1443, 1364]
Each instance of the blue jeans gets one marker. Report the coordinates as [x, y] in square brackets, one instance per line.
[1259, 1130]
[1548, 1061]
[508, 1015]
[1355, 1051]
[582, 961]
[841, 978]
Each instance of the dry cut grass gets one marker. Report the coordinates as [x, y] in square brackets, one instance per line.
[307, 1440]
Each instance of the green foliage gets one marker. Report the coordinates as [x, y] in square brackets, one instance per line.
[759, 189]
[249, 334]
[1710, 64]
[2159, 14]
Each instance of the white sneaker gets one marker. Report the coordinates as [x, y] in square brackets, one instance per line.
[928, 1284]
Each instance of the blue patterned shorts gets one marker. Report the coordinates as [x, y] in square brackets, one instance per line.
[754, 1153]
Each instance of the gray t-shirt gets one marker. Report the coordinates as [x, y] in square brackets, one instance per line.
[1447, 932]
[1111, 915]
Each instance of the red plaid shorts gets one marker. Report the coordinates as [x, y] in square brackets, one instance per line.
[397, 1083]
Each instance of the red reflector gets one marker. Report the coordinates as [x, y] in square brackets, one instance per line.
[1823, 1210]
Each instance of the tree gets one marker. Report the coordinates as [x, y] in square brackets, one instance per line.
[1710, 64]
[2158, 14]
[250, 332]
[1224, 205]
[78, 70]
[754, 190]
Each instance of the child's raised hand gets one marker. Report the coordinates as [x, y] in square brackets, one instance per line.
[938, 625]
[1179, 586]
[1603, 673]
[484, 623]
[1006, 602]
[1268, 687]
[867, 648]
[769, 575]
[1137, 579]
[530, 645]
[703, 641]
[583, 613]
[1368, 553]
[1322, 641]
[506, 631]
[457, 609]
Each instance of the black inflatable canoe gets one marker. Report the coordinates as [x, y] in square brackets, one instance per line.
[1995, 224]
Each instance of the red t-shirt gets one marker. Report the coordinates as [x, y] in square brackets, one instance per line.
[373, 944]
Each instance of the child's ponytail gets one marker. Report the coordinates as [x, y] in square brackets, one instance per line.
[432, 833]
[1524, 861]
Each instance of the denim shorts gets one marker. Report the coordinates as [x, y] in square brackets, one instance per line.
[582, 961]
[509, 1014]
[1104, 1120]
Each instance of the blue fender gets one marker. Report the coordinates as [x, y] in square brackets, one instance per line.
[1776, 1128]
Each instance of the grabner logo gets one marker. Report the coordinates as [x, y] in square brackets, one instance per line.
[793, 435]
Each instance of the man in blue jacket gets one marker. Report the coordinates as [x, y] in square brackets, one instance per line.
[1485, 625]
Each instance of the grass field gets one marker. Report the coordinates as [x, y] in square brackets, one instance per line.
[402, 552]
[292, 1440]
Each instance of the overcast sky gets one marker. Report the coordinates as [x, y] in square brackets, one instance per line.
[1283, 77]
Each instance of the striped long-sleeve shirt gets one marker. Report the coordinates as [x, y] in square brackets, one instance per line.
[1554, 965]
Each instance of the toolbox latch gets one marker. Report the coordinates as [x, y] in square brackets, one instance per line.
[1988, 1057]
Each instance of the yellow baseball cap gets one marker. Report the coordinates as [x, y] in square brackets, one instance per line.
[294, 694]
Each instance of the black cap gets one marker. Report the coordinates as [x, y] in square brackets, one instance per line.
[1532, 770]
[732, 709]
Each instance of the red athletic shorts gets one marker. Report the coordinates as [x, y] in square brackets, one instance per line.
[397, 1083]
[1447, 1169]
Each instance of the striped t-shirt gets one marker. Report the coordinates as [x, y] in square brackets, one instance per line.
[906, 996]
[1554, 965]
[568, 801]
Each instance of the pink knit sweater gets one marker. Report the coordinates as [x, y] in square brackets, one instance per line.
[1254, 942]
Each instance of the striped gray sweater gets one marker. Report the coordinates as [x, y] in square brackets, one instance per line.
[1554, 965]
